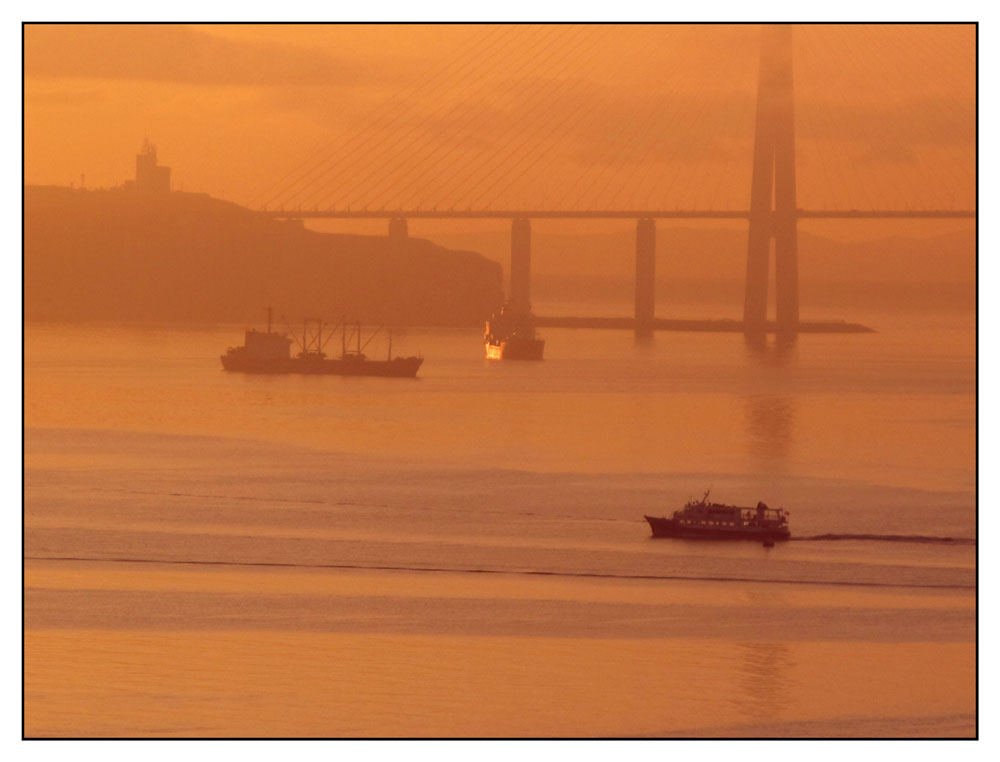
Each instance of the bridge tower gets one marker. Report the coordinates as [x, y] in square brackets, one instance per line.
[773, 214]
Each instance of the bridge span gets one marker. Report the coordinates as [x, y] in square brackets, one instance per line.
[606, 214]
[645, 320]
[772, 218]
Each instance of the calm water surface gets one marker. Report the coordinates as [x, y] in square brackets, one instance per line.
[464, 554]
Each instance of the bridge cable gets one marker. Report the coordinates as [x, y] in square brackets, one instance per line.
[372, 129]
[399, 144]
[310, 163]
[403, 182]
[533, 113]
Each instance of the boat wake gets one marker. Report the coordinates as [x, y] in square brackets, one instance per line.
[892, 538]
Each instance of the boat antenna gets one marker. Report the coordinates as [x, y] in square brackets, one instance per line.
[343, 336]
[329, 336]
[269, 319]
[359, 337]
[291, 332]
[369, 341]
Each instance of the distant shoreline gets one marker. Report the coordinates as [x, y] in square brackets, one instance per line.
[711, 325]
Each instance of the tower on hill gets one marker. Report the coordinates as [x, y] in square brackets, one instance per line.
[150, 178]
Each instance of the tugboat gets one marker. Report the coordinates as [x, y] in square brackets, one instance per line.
[716, 521]
[270, 352]
[510, 335]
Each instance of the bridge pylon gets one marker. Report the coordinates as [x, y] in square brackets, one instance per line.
[773, 213]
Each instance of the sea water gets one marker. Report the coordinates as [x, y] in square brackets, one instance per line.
[465, 553]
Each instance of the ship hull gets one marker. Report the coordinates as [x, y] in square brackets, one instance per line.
[664, 527]
[516, 349]
[398, 367]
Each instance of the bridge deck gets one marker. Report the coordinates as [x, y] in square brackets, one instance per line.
[663, 214]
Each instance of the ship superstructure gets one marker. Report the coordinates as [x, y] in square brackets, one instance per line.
[701, 518]
[270, 352]
[510, 335]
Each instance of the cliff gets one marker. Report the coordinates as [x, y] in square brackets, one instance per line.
[114, 255]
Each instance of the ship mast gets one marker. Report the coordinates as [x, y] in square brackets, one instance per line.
[268, 319]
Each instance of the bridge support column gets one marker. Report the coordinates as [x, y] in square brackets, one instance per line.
[786, 275]
[398, 229]
[773, 213]
[520, 265]
[645, 276]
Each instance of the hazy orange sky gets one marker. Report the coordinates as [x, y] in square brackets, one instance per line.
[565, 116]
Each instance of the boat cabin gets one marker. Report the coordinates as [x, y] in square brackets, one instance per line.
[268, 346]
[714, 515]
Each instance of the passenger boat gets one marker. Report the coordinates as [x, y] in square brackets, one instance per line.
[717, 521]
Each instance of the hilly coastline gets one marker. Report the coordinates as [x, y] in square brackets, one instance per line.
[118, 255]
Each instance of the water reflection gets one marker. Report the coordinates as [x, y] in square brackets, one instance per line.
[770, 418]
[764, 682]
[644, 341]
[777, 351]
[770, 424]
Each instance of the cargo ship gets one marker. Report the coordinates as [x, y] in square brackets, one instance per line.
[271, 352]
[716, 521]
[511, 335]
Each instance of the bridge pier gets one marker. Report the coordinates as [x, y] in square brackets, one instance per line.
[645, 276]
[398, 229]
[786, 274]
[520, 264]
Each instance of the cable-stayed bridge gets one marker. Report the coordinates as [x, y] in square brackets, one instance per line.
[507, 157]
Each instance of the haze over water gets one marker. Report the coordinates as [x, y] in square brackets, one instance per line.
[218, 554]
[465, 553]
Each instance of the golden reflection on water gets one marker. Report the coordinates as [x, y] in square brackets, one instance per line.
[770, 418]
[770, 423]
[264, 683]
[765, 682]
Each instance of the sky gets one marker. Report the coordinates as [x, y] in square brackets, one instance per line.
[455, 116]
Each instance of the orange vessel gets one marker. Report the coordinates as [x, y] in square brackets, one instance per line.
[511, 335]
